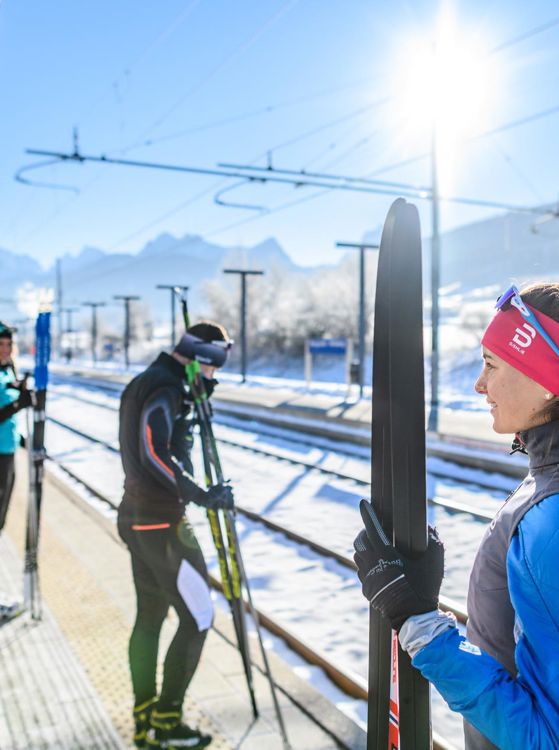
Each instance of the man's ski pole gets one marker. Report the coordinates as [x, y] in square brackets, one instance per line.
[209, 445]
[230, 577]
[36, 449]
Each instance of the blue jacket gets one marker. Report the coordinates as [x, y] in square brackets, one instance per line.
[9, 433]
[519, 713]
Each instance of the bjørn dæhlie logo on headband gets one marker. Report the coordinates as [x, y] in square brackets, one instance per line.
[522, 338]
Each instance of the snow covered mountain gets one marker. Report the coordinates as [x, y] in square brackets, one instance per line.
[96, 275]
[487, 253]
[498, 249]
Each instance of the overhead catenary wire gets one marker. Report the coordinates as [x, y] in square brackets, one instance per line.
[505, 45]
[486, 133]
[236, 52]
[287, 5]
[152, 45]
[35, 183]
[518, 172]
[223, 183]
[411, 160]
[298, 179]
[243, 116]
[526, 35]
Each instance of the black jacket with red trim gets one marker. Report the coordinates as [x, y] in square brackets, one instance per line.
[155, 440]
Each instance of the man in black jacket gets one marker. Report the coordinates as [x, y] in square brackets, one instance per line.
[168, 567]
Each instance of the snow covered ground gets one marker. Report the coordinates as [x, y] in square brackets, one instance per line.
[315, 597]
[460, 365]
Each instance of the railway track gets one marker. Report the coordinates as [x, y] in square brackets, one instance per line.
[447, 604]
[459, 451]
[351, 684]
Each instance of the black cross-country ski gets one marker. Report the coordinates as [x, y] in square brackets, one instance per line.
[399, 709]
[36, 452]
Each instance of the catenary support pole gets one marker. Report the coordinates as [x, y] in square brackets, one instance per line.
[59, 303]
[94, 306]
[242, 333]
[126, 298]
[69, 328]
[175, 289]
[433, 422]
[362, 325]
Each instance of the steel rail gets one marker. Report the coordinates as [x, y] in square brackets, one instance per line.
[447, 604]
[328, 429]
[449, 505]
[350, 683]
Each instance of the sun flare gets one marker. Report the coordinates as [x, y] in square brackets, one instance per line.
[447, 86]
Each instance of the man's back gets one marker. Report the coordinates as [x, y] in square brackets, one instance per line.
[149, 407]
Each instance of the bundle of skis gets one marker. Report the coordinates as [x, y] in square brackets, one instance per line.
[36, 455]
[226, 540]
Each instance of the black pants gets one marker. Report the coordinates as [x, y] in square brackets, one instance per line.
[7, 479]
[169, 570]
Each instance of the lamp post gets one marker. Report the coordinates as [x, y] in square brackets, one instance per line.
[361, 246]
[126, 298]
[243, 274]
[94, 306]
[174, 289]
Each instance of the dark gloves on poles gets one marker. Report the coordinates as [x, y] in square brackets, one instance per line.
[218, 496]
[209, 384]
[397, 586]
[22, 402]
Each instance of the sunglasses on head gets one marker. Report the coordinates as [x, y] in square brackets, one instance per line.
[512, 296]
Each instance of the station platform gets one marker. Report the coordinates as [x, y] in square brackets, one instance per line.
[65, 679]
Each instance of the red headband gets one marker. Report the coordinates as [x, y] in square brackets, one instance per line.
[513, 339]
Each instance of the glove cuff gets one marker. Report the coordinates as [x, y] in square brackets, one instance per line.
[419, 630]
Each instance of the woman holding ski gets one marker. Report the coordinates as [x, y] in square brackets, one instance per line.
[504, 678]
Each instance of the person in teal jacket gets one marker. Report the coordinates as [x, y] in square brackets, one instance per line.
[504, 676]
[14, 396]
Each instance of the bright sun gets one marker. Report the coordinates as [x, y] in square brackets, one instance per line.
[447, 86]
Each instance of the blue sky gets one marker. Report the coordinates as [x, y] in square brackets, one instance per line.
[208, 81]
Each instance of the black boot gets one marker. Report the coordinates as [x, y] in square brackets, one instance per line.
[167, 732]
[142, 714]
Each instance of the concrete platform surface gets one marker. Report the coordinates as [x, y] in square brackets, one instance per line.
[65, 680]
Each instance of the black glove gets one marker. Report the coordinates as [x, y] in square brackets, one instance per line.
[397, 586]
[219, 496]
[22, 402]
[24, 399]
[21, 384]
[209, 385]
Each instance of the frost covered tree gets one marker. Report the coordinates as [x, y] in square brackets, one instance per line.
[285, 309]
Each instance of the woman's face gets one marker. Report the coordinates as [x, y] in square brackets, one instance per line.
[5, 350]
[516, 401]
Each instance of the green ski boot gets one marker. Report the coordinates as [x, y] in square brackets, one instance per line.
[167, 732]
[142, 714]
